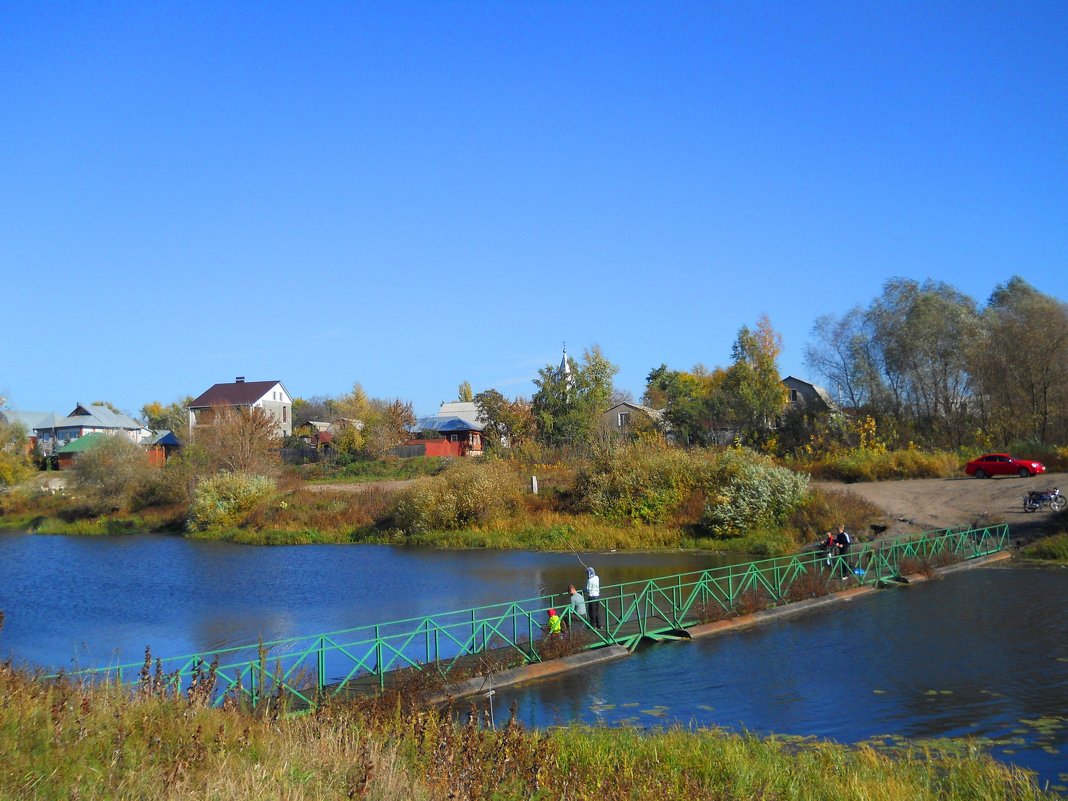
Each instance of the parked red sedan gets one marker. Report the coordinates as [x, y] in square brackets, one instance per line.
[1001, 464]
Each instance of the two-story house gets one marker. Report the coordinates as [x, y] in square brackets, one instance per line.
[270, 396]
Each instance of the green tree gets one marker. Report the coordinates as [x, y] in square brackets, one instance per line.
[1019, 362]
[694, 405]
[567, 405]
[919, 335]
[464, 392]
[754, 393]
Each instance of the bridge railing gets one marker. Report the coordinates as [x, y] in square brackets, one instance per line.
[363, 659]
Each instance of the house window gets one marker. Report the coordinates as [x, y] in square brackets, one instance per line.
[794, 396]
[283, 414]
[624, 419]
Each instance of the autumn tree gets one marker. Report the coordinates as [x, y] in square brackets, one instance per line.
[376, 426]
[240, 440]
[172, 417]
[15, 463]
[464, 393]
[841, 355]
[506, 422]
[919, 338]
[317, 407]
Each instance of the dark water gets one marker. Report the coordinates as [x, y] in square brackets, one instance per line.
[981, 654]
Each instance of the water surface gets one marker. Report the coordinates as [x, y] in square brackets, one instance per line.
[980, 654]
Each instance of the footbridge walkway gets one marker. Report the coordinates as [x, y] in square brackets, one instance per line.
[453, 646]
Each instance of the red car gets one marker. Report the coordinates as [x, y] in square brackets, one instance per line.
[1001, 464]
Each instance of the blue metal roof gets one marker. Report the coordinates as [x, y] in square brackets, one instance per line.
[445, 424]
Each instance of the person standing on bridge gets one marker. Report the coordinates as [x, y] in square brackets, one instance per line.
[831, 548]
[842, 541]
[553, 628]
[593, 596]
[578, 603]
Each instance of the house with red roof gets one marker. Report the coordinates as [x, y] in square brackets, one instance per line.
[270, 396]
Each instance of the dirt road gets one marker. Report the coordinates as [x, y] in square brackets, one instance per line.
[924, 504]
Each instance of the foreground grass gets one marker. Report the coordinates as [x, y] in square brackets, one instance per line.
[62, 740]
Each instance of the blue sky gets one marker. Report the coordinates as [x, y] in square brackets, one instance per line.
[413, 195]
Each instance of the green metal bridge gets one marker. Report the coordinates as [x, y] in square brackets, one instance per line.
[302, 671]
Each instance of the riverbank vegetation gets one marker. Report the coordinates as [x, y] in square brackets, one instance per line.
[625, 496]
[60, 739]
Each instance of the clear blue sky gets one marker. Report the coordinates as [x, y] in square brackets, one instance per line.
[413, 195]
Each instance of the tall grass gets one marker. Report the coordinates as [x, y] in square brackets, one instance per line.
[63, 740]
[1054, 549]
[878, 464]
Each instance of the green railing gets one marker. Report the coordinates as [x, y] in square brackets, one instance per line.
[302, 671]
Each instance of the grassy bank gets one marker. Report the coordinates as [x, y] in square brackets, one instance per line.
[300, 517]
[61, 741]
[1050, 549]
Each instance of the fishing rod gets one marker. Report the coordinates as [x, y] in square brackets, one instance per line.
[569, 545]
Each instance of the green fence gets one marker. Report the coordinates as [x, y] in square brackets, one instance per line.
[302, 671]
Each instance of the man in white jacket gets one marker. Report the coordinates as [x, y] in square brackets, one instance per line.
[593, 597]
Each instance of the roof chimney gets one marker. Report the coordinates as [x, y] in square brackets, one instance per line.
[240, 379]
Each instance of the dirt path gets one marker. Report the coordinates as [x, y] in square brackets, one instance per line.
[924, 504]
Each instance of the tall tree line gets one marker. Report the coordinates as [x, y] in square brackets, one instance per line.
[931, 365]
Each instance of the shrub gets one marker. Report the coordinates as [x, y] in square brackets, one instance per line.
[823, 509]
[642, 483]
[754, 495]
[111, 472]
[466, 493]
[726, 493]
[172, 484]
[223, 500]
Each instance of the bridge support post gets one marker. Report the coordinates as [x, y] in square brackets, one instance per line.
[320, 665]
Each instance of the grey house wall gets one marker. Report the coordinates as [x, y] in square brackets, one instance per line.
[282, 412]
